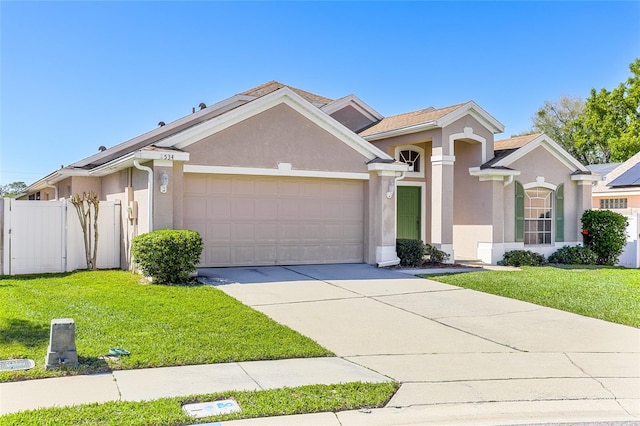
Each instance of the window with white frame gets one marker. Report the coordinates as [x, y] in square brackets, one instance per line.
[613, 203]
[538, 215]
[414, 157]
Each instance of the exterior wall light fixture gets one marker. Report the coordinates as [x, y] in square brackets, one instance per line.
[391, 189]
[164, 182]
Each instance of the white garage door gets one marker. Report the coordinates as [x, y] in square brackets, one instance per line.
[255, 220]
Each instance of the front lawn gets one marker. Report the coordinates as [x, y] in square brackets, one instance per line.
[159, 325]
[611, 294]
[168, 411]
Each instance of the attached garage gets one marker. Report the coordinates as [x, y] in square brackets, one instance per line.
[274, 220]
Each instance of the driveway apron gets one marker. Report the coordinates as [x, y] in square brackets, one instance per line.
[445, 344]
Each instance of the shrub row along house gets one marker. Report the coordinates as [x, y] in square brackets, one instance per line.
[278, 175]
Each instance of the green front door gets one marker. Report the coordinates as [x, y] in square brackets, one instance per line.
[409, 212]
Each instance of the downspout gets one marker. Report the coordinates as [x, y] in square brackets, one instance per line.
[509, 180]
[55, 189]
[150, 189]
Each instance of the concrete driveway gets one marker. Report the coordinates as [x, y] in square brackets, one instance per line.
[453, 349]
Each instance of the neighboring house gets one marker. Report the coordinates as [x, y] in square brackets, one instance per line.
[278, 175]
[619, 191]
[620, 188]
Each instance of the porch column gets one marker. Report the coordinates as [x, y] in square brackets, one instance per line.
[442, 201]
[496, 249]
[382, 212]
[583, 200]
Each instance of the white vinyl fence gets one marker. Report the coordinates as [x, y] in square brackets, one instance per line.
[630, 257]
[45, 236]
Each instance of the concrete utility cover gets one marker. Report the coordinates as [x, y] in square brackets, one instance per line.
[213, 408]
[16, 364]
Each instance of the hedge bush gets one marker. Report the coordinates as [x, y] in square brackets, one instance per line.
[410, 252]
[169, 255]
[435, 254]
[604, 232]
[523, 258]
[577, 255]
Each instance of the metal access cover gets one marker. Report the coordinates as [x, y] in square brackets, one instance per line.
[213, 408]
[16, 364]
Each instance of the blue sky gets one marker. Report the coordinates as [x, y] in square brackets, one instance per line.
[77, 75]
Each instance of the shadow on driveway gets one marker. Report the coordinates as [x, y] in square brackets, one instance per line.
[266, 274]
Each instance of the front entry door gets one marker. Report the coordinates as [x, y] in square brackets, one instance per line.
[409, 212]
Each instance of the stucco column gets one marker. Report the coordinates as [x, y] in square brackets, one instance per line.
[442, 201]
[162, 194]
[382, 212]
[583, 201]
[177, 192]
[497, 221]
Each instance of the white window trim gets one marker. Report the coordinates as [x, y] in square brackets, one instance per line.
[417, 149]
[540, 182]
[552, 206]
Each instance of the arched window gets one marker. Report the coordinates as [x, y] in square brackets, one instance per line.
[414, 157]
[539, 213]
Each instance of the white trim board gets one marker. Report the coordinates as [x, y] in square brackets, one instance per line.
[282, 171]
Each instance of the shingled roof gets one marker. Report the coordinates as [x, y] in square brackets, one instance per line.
[272, 86]
[409, 119]
[514, 143]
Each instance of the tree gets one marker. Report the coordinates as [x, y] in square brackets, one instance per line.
[84, 206]
[12, 190]
[557, 119]
[609, 127]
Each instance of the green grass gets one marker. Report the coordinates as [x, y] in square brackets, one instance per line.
[611, 294]
[168, 411]
[159, 325]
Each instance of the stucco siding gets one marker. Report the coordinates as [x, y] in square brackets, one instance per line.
[80, 184]
[479, 129]
[467, 237]
[278, 135]
[472, 201]
[430, 136]
[542, 164]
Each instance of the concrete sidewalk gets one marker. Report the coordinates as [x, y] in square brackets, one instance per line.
[155, 383]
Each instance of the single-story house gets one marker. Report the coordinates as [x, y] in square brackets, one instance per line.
[279, 175]
[619, 189]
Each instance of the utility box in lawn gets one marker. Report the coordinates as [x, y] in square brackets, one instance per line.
[62, 344]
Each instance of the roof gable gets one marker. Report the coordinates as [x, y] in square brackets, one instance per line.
[428, 118]
[535, 141]
[284, 95]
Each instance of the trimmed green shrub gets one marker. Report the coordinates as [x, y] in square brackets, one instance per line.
[410, 252]
[577, 255]
[523, 258]
[169, 255]
[435, 254]
[604, 232]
